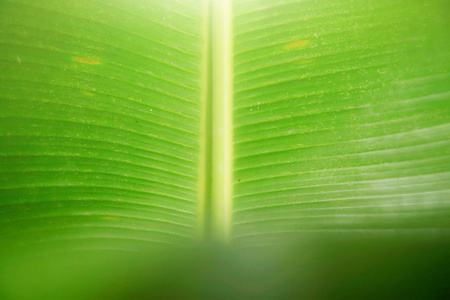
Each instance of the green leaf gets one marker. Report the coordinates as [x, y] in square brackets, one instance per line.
[100, 123]
[131, 125]
[341, 118]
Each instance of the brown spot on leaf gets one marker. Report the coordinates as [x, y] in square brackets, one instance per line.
[86, 60]
[297, 44]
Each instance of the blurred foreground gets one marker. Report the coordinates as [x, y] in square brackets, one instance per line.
[338, 268]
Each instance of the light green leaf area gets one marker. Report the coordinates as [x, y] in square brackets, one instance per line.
[341, 118]
[100, 115]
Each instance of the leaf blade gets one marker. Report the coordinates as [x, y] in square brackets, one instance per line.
[341, 118]
[99, 124]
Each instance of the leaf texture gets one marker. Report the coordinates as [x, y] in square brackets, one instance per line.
[99, 123]
[341, 118]
[116, 135]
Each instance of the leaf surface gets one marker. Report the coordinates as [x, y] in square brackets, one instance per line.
[100, 123]
[115, 124]
[341, 118]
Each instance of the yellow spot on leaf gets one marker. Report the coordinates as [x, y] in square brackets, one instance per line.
[297, 44]
[109, 218]
[87, 93]
[89, 61]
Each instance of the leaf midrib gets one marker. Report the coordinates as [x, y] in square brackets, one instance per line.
[215, 178]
